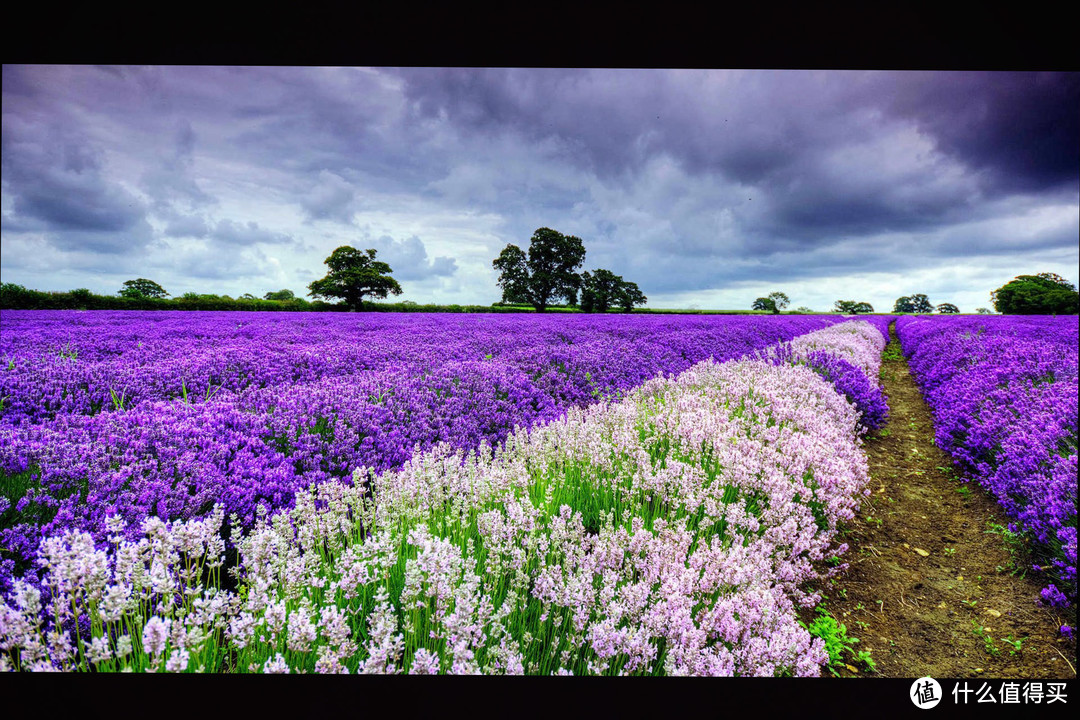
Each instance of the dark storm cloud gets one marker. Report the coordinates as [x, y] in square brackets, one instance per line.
[749, 124]
[58, 178]
[780, 133]
[342, 120]
[1021, 127]
[681, 180]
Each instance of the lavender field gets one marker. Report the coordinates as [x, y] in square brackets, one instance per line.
[1003, 391]
[397, 493]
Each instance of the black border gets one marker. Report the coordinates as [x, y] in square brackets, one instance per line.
[890, 36]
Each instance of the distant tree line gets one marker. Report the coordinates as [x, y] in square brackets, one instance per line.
[13, 296]
[17, 297]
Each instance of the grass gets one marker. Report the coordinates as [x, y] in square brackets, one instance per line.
[838, 643]
[1017, 546]
[988, 642]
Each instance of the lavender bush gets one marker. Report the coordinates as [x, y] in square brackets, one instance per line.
[848, 356]
[1003, 391]
[669, 532]
[139, 415]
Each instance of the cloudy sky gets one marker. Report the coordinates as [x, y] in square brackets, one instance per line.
[708, 188]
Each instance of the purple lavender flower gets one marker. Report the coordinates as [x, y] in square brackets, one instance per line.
[1003, 391]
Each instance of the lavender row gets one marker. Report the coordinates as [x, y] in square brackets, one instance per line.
[60, 362]
[848, 355]
[165, 414]
[1003, 391]
[668, 533]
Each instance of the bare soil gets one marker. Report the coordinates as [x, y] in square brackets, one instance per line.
[933, 587]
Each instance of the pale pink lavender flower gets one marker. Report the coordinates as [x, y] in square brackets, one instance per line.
[155, 634]
[178, 660]
[276, 666]
[424, 663]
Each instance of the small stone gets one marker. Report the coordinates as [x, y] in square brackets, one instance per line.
[922, 552]
[852, 668]
[993, 613]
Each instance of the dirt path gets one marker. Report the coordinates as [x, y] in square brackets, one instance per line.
[934, 586]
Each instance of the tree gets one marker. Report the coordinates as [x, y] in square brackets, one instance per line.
[780, 301]
[141, 288]
[1041, 294]
[513, 267]
[803, 309]
[915, 304]
[602, 289]
[948, 309]
[774, 302]
[764, 303]
[354, 274]
[549, 272]
[851, 307]
[279, 295]
[630, 295]
[984, 311]
[599, 290]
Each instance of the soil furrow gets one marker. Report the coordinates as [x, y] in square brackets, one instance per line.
[936, 585]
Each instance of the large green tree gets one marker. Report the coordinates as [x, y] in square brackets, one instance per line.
[1041, 294]
[602, 290]
[353, 275]
[546, 274]
[141, 288]
[948, 309]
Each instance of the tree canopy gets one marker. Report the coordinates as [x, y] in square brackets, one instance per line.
[141, 288]
[1041, 294]
[353, 275]
[774, 302]
[630, 295]
[915, 304]
[948, 309]
[852, 307]
[548, 272]
[283, 294]
[602, 289]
